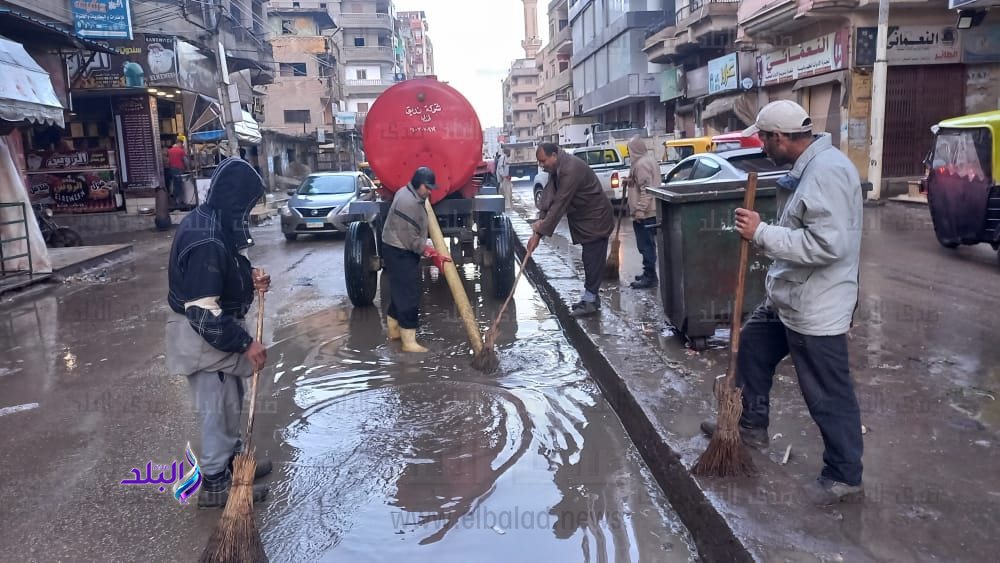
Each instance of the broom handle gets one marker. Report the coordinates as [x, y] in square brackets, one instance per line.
[454, 282]
[256, 372]
[741, 277]
[496, 323]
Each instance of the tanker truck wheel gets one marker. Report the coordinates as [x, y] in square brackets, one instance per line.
[503, 256]
[361, 264]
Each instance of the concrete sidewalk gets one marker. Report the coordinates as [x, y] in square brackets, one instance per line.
[67, 262]
[925, 359]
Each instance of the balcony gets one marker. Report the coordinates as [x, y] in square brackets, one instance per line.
[772, 16]
[562, 42]
[365, 21]
[706, 23]
[362, 87]
[523, 88]
[525, 106]
[372, 54]
[556, 84]
[661, 47]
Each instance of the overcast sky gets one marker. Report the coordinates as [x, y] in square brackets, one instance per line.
[475, 42]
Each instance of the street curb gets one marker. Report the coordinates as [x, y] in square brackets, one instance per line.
[92, 263]
[712, 534]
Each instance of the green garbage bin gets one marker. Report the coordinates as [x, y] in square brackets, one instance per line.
[698, 255]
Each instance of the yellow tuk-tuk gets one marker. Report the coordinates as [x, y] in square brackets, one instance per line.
[962, 190]
[679, 149]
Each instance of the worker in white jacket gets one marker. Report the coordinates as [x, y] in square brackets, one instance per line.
[812, 291]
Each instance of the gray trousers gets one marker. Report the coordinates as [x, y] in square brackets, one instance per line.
[218, 400]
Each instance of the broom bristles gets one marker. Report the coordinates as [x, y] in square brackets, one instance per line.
[236, 538]
[726, 456]
[486, 360]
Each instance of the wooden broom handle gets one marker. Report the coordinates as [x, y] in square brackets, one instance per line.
[256, 372]
[741, 278]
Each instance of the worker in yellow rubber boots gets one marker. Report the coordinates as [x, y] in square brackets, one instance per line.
[404, 241]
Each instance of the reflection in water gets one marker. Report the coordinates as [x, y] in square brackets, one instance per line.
[393, 455]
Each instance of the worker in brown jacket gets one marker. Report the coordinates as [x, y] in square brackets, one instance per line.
[574, 191]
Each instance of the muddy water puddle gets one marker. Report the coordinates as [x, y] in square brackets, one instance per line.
[384, 455]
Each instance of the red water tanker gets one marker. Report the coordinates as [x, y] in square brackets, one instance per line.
[424, 122]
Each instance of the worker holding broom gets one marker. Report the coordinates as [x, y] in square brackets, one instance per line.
[404, 241]
[574, 191]
[812, 291]
[211, 289]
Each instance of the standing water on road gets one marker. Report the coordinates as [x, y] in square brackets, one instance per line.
[420, 457]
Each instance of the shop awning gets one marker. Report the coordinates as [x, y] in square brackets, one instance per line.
[743, 105]
[839, 76]
[247, 131]
[26, 92]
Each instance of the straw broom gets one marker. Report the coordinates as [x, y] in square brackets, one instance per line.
[726, 456]
[612, 266]
[236, 538]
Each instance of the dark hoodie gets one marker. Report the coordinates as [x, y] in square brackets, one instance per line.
[205, 259]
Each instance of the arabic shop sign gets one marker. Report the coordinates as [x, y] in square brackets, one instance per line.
[910, 45]
[981, 44]
[182, 484]
[670, 84]
[102, 19]
[818, 56]
[723, 74]
[148, 60]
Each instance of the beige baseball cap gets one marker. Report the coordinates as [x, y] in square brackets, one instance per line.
[782, 116]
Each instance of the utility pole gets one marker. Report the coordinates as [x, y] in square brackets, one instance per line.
[879, 78]
[228, 117]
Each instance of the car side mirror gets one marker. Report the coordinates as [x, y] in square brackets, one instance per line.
[365, 190]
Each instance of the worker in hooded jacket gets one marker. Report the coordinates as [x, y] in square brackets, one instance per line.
[404, 241]
[644, 174]
[211, 288]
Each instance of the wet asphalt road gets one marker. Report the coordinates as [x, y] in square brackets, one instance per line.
[379, 455]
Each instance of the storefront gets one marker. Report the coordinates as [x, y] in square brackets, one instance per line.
[730, 104]
[811, 73]
[26, 97]
[129, 107]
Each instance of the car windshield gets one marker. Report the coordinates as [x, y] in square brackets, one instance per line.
[327, 185]
[755, 163]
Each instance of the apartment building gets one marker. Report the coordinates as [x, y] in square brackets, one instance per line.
[300, 105]
[724, 59]
[369, 41]
[614, 84]
[418, 48]
[555, 76]
[520, 108]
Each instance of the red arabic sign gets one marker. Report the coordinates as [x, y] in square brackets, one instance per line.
[821, 55]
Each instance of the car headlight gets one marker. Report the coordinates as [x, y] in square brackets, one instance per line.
[344, 209]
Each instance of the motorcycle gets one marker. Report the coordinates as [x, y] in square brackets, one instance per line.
[55, 235]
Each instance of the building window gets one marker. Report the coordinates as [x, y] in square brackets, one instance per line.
[292, 69]
[363, 107]
[322, 5]
[359, 41]
[295, 5]
[297, 116]
[287, 27]
[361, 74]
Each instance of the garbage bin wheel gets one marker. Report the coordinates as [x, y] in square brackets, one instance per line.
[503, 256]
[699, 343]
[360, 270]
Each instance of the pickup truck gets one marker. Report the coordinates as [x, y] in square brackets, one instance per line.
[606, 162]
[610, 166]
